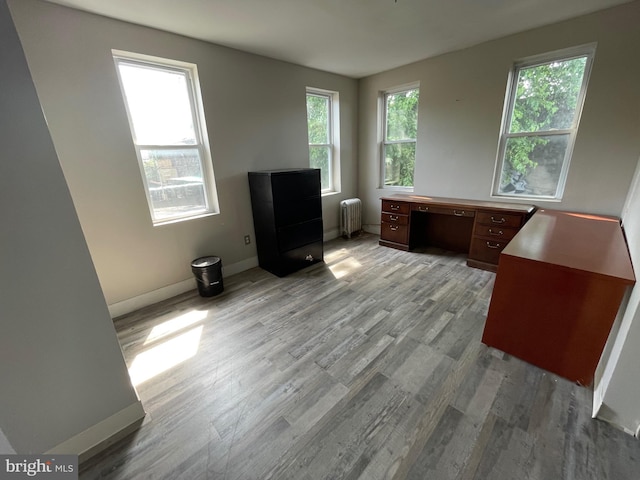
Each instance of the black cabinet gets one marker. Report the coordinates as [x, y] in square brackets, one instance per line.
[287, 216]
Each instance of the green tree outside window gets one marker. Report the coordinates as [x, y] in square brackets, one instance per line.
[545, 103]
[399, 148]
[320, 143]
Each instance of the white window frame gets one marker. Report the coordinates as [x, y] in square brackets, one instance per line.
[587, 51]
[382, 119]
[334, 137]
[190, 71]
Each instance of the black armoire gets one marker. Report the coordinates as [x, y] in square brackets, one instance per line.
[287, 216]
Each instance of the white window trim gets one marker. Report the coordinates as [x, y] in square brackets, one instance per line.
[334, 137]
[200, 127]
[382, 133]
[587, 50]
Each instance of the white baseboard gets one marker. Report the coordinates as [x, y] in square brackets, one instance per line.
[103, 434]
[330, 235]
[598, 398]
[5, 446]
[131, 304]
[240, 266]
[607, 414]
[372, 229]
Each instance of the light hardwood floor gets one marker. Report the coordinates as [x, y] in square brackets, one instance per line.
[368, 367]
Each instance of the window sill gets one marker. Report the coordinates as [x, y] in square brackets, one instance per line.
[528, 198]
[328, 194]
[184, 219]
[398, 189]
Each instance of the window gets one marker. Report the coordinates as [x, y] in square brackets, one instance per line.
[542, 111]
[323, 128]
[162, 98]
[399, 137]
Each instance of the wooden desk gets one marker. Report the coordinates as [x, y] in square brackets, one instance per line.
[559, 286]
[481, 229]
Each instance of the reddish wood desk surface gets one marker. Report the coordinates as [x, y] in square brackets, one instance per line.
[559, 285]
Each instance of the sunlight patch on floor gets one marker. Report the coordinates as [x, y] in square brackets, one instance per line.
[344, 267]
[165, 355]
[331, 257]
[175, 324]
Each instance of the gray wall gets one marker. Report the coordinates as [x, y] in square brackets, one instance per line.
[617, 388]
[256, 115]
[461, 101]
[61, 368]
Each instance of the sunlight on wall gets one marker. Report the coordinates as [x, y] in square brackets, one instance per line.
[594, 217]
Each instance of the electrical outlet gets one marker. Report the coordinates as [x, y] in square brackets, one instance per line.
[247, 239]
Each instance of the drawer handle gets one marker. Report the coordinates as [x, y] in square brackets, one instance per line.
[423, 209]
[458, 213]
[496, 234]
[309, 258]
[394, 207]
[393, 227]
[393, 217]
[493, 245]
[501, 220]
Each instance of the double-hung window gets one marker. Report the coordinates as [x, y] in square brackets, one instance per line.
[167, 123]
[542, 110]
[323, 128]
[400, 127]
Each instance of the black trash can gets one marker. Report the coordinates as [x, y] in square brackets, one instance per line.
[208, 273]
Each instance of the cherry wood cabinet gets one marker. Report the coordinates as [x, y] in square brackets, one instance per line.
[394, 226]
[558, 289]
[492, 232]
[481, 229]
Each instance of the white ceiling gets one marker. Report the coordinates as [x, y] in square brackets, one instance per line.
[350, 37]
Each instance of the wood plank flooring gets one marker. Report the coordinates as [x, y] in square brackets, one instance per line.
[369, 367]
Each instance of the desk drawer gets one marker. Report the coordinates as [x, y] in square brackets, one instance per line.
[395, 218]
[499, 219]
[495, 233]
[487, 251]
[393, 232]
[396, 207]
[457, 212]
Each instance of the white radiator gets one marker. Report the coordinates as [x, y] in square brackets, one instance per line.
[350, 216]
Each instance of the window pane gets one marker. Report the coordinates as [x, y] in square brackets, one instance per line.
[402, 115]
[318, 119]
[532, 165]
[547, 95]
[320, 157]
[399, 164]
[175, 182]
[159, 105]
